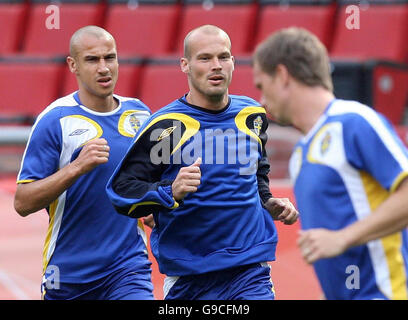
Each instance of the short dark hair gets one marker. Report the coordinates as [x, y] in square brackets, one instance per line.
[301, 52]
[92, 30]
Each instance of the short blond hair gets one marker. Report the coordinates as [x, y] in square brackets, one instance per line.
[208, 29]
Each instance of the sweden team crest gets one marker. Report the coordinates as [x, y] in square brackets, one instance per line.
[258, 125]
[134, 122]
[129, 123]
[325, 144]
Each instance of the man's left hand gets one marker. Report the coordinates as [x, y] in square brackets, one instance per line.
[282, 209]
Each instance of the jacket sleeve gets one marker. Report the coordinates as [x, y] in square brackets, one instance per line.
[136, 188]
[257, 122]
[263, 165]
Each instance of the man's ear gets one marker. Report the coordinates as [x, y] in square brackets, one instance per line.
[184, 65]
[282, 74]
[72, 64]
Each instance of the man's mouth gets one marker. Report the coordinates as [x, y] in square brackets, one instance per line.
[216, 79]
[105, 81]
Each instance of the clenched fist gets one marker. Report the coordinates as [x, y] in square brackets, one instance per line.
[187, 180]
[94, 153]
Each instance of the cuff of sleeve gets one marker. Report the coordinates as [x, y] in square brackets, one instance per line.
[167, 195]
[265, 198]
[398, 181]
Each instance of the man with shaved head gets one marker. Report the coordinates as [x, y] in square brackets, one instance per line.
[76, 142]
[199, 164]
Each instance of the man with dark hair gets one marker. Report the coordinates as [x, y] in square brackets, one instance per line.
[76, 142]
[349, 172]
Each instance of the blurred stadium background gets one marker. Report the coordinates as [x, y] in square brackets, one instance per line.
[366, 40]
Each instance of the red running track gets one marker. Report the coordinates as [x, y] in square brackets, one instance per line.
[21, 242]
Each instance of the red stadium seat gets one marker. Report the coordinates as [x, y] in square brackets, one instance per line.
[12, 21]
[30, 86]
[242, 81]
[318, 19]
[390, 91]
[162, 82]
[72, 16]
[382, 34]
[126, 86]
[237, 20]
[144, 30]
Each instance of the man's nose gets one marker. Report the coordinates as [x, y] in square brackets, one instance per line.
[216, 65]
[103, 67]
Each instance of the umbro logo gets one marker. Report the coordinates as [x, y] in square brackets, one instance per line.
[78, 132]
[166, 133]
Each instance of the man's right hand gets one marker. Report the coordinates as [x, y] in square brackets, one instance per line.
[94, 153]
[188, 179]
[36, 195]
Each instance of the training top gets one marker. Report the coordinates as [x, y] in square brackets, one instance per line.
[343, 169]
[223, 224]
[86, 238]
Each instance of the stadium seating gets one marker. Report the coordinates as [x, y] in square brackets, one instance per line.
[382, 33]
[128, 81]
[390, 91]
[143, 30]
[30, 87]
[242, 80]
[162, 82]
[238, 20]
[42, 34]
[12, 22]
[154, 29]
[315, 18]
[382, 85]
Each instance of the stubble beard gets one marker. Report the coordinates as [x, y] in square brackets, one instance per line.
[213, 96]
